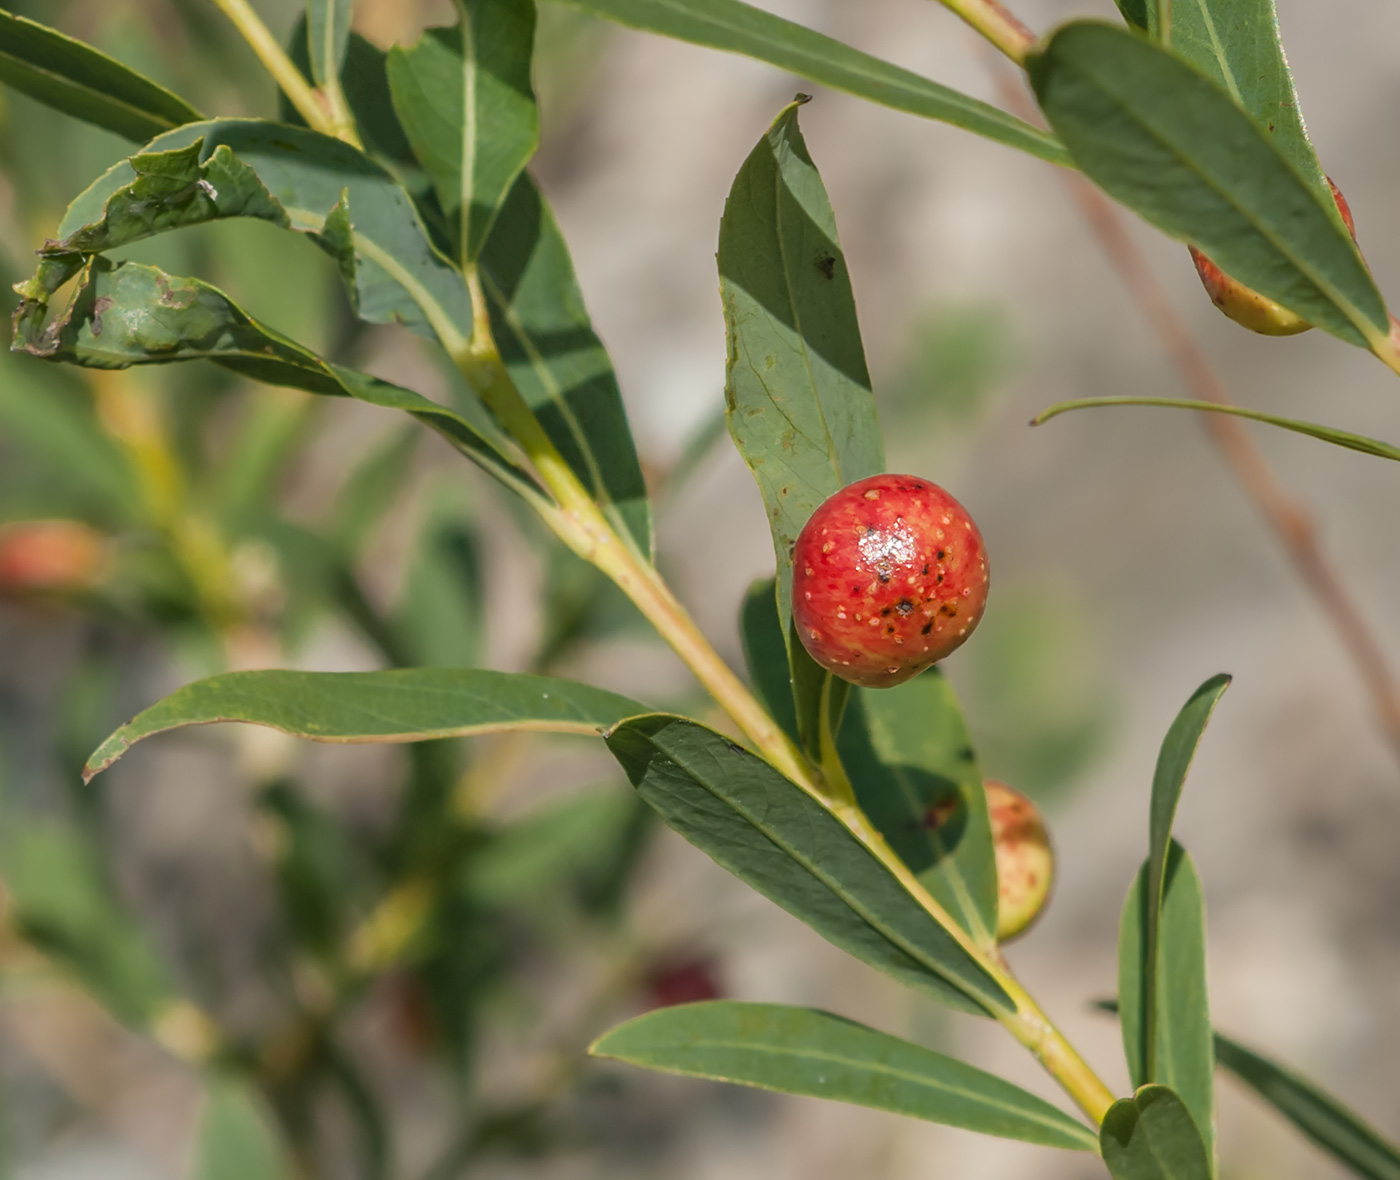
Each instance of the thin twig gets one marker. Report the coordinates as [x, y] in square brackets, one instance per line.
[1290, 521]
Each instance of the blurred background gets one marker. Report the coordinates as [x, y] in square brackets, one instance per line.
[409, 948]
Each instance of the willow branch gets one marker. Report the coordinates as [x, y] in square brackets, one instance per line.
[1289, 520]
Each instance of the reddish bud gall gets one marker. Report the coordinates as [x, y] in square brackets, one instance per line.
[1025, 861]
[889, 576]
[688, 982]
[49, 556]
[1246, 306]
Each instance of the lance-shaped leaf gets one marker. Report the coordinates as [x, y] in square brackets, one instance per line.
[1182, 1055]
[1237, 43]
[1165, 140]
[290, 176]
[1150, 1136]
[803, 1051]
[129, 314]
[400, 705]
[736, 27]
[557, 362]
[327, 38]
[1340, 1132]
[770, 833]
[910, 758]
[465, 99]
[1328, 434]
[798, 392]
[81, 81]
[237, 1137]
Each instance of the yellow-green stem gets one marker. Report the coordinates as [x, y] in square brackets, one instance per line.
[284, 72]
[997, 25]
[581, 524]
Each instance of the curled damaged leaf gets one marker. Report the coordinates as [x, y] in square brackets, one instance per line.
[126, 313]
[294, 178]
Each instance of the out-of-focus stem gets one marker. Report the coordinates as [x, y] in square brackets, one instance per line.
[1290, 521]
[998, 25]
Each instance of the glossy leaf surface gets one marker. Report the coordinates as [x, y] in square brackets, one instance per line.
[465, 99]
[1166, 141]
[400, 705]
[802, 1051]
[770, 833]
[81, 81]
[736, 27]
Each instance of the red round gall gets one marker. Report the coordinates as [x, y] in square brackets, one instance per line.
[889, 576]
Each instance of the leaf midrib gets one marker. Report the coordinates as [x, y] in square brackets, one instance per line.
[894, 937]
[1325, 288]
[864, 1065]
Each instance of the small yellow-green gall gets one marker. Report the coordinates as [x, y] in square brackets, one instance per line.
[1246, 306]
[1025, 860]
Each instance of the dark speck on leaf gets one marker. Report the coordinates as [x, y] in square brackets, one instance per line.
[826, 263]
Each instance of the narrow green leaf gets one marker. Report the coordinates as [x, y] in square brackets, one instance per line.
[1170, 144]
[1182, 1057]
[1237, 43]
[60, 902]
[556, 360]
[238, 1139]
[1329, 434]
[81, 81]
[1338, 1131]
[402, 705]
[770, 833]
[125, 314]
[803, 1051]
[915, 773]
[1169, 777]
[1150, 1136]
[327, 37]
[294, 178]
[797, 389]
[465, 99]
[735, 27]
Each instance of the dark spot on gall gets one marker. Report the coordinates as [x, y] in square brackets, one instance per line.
[940, 577]
[941, 554]
[885, 613]
[903, 606]
[927, 628]
[890, 629]
[925, 569]
[884, 575]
